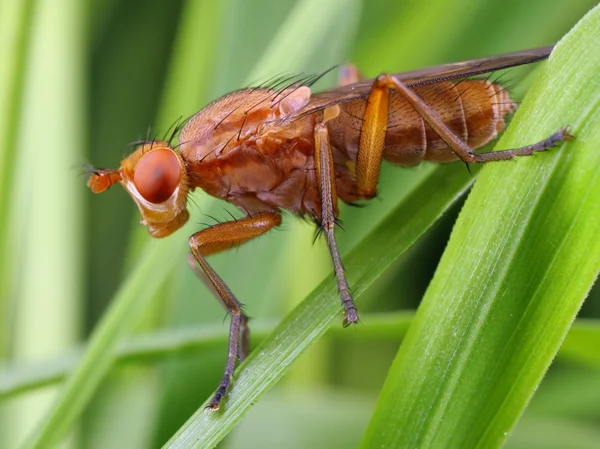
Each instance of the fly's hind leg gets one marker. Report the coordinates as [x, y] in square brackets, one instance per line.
[216, 239]
[375, 119]
[326, 183]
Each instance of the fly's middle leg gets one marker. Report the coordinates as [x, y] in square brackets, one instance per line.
[326, 183]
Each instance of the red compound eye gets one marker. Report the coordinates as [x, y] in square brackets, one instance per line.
[157, 175]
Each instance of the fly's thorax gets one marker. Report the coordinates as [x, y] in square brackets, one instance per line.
[155, 176]
[237, 118]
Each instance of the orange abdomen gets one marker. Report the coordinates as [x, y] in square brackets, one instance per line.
[474, 110]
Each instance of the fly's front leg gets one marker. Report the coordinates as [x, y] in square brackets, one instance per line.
[245, 330]
[326, 184]
[375, 114]
[216, 239]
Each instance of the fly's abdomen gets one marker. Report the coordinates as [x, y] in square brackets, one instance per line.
[473, 109]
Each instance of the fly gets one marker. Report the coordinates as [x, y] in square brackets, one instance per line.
[267, 149]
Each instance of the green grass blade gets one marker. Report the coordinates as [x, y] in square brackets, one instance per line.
[522, 257]
[45, 203]
[156, 346]
[99, 356]
[580, 347]
[15, 22]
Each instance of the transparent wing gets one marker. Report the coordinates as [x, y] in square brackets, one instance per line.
[430, 75]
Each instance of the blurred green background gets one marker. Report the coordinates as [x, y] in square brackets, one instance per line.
[81, 79]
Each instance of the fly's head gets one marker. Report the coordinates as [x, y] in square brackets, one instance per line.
[156, 178]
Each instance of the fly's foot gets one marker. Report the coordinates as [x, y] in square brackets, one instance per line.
[215, 402]
[561, 135]
[565, 132]
[350, 318]
[350, 313]
[211, 407]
